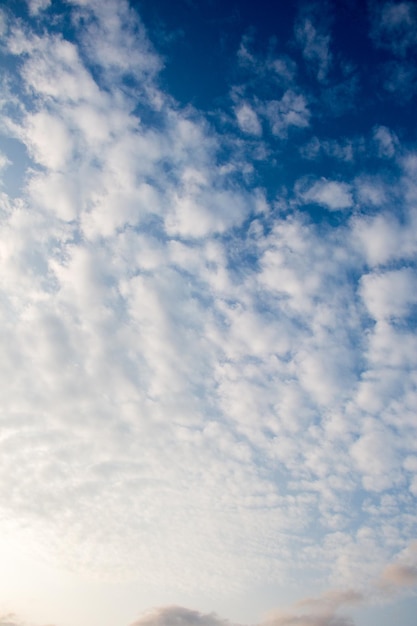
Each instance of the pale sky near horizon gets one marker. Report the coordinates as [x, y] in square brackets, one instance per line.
[208, 313]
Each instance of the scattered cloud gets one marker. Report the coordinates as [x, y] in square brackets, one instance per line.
[395, 26]
[191, 361]
[320, 611]
[328, 608]
[333, 195]
[314, 40]
[248, 120]
[389, 294]
[36, 6]
[398, 575]
[400, 79]
[291, 111]
[386, 142]
[346, 150]
[401, 573]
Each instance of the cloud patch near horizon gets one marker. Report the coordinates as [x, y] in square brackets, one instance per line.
[321, 610]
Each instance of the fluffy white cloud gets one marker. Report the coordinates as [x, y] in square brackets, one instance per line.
[371, 192]
[248, 120]
[376, 457]
[291, 110]
[333, 195]
[35, 6]
[390, 294]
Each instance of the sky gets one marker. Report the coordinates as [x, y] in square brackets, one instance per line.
[208, 313]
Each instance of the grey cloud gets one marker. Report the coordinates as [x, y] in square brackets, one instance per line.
[178, 616]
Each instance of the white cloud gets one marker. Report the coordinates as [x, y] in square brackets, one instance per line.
[331, 194]
[382, 239]
[115, 39]
[36, 6]
[291, 110]
[248, 120]
[371, 192]
[55, 154]
[203, 211]
[389, 294]
[285, 68]
[179, 383]
[346, 150]
[386, 142]
[4, 161]
[376, 457]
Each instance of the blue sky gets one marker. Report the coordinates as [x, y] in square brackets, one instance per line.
[208, 313]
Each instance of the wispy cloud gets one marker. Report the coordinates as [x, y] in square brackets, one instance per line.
[394, 26]
[35, 6]
[319, 611]
[312, 35]
[248, 120]
[401, 574]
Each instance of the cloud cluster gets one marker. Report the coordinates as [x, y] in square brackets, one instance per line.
[326, 609]
[190, 366]
[394, 29]
[394, 26]
[314, 39]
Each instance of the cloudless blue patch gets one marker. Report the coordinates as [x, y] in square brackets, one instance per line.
[14, 173]
[201, 39]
